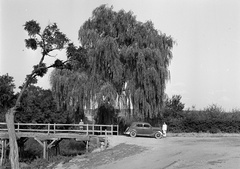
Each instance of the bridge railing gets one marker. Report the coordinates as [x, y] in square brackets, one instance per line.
[88, 129]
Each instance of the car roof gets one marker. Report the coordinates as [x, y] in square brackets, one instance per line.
[139, 123]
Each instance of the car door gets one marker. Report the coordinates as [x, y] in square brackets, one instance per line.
[139, 128]
[147, 129]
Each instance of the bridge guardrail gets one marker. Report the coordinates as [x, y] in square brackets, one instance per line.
[88, 129]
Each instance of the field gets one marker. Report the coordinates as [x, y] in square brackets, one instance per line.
[187, 151]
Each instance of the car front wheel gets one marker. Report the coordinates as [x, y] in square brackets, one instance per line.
[158, 135]
[133, 133]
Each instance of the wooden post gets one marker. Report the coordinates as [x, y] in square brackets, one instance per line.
[87, 130]
[18, 127]
[87, 146]
[111, 129]
[100, 130]
[117, 130]
[45, 149]
[4, 150]
[54, 128]
[57, 149]
[48, 128]
[93, 129]
[2, 153]
[105, 144]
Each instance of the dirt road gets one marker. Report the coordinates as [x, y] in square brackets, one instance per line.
[169, 153]
[181, 152]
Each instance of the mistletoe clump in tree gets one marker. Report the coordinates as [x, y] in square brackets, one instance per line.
[122, 60]
[48, 40]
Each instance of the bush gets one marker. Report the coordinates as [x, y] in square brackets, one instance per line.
[213, 119]
[70, 147]
[39, 163]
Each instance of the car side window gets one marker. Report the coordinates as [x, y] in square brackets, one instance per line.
[139, 125]
[147, 125]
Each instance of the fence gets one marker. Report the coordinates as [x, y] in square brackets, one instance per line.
[88, 129]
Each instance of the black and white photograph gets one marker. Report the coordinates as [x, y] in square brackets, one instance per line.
[119, 84]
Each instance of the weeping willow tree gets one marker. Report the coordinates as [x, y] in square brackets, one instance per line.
[125, 61]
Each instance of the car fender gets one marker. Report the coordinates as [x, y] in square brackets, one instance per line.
[133, 130]
[153, 133]
[158, 132]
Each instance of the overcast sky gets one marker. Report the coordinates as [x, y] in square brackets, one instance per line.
[205, 68]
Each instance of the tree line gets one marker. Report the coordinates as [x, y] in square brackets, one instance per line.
[212, 119]
[39, 106]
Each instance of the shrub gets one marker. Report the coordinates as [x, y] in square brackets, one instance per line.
[70, 147]
[213, 120]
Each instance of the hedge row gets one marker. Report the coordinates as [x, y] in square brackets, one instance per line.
[204, 122]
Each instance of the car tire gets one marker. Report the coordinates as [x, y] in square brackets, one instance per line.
[133, 133]
[158, 135]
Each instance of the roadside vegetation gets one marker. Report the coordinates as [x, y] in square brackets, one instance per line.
[212, 119]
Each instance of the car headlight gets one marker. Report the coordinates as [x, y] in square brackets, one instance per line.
[127, 132]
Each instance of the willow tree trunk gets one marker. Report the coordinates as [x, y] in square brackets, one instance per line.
[14, 156]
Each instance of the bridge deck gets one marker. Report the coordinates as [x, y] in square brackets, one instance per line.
[46, 136]
[44, 133]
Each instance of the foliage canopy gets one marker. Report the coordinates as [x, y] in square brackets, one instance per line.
[38, 106]
[50, 39]
[7, 96]
[122, 59]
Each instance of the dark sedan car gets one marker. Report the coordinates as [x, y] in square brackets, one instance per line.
[143, 129]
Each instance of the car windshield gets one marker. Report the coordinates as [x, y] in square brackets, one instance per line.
[139, 125]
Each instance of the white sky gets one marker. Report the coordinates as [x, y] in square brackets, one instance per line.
[206, 60]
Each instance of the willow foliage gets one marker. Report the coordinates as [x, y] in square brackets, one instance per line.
[69, 90]
[124, 59]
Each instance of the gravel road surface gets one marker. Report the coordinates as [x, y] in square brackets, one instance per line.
[168, 153]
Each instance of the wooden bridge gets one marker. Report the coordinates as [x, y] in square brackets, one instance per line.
[49, 134]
